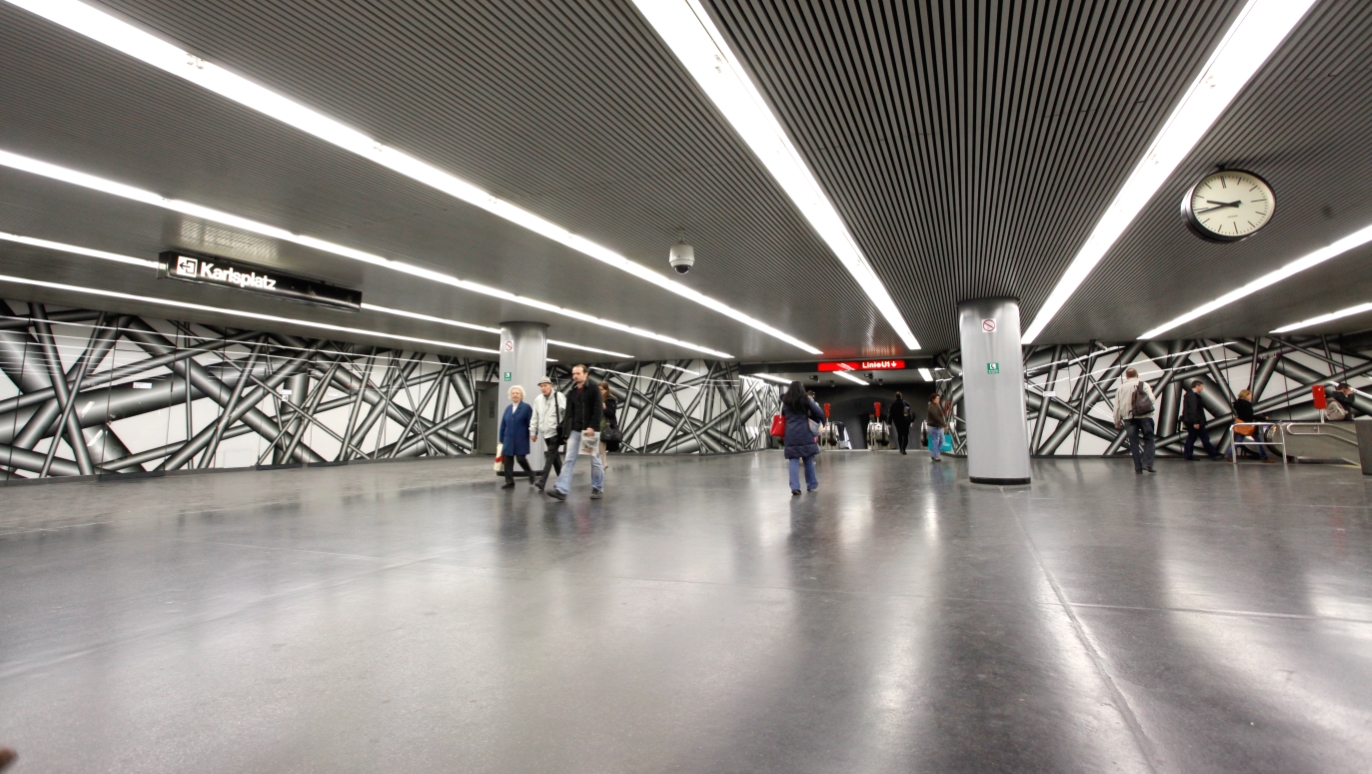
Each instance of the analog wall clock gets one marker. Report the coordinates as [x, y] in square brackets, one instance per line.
[1228, 206]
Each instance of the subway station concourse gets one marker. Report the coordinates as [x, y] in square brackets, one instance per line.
[685, 386]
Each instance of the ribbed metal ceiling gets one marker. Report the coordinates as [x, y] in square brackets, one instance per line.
[970, 147]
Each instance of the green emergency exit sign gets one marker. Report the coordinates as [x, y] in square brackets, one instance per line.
[509, 376]
[993, 368]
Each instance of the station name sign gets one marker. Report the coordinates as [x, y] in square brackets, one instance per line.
[209, 270]
[862, 365]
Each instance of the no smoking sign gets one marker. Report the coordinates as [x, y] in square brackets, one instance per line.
[988, 325]
[509, 345]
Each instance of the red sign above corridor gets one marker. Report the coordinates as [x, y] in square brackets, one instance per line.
[863, 365]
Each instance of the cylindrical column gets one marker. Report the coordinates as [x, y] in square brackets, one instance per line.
[993, 391]
[523, 361]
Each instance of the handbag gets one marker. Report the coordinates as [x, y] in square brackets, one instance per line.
[1244, 430]
[778, 426]
[557, 412]
[499, 458]
[610, 434]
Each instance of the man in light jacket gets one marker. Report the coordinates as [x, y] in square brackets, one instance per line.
[1138, 416]
[550, 409]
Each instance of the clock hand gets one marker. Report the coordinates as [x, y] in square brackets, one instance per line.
[1224, 204]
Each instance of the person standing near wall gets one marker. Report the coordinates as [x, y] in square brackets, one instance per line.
[1193, 418]
[550, 407]
[514, 436]
[937, 423]
[900, 417]
[1343, 395]
[1135, 407]
[799, 410]
[610, 406]
[584, 413]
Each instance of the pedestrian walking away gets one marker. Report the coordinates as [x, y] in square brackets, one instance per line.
[799, 410]
[550, 407]
[1193, 419]
[584, 413]
[900, 417]
[609, 425]
[937, 423]
[514, 436]
[1135, 411]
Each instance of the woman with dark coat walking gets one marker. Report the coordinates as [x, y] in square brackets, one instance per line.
[514, 436]
[798, 409]
[900, 417]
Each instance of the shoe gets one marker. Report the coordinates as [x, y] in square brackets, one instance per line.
[1149, 468]
[556, 495]
[1269, 459]
[507, 486]
[7, 756]
[813, 490]
[795, 493]
[1138, 472]
[1218, 458]
[936, 459]
[1191, 459]
[596, 494]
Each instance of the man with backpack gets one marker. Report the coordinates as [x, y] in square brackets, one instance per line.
[1341, 405]
[1134, 409]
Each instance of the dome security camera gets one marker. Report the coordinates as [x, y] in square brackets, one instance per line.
[683, 257]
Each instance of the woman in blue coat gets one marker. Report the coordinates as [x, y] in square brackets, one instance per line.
[801, 442]
[514, 436]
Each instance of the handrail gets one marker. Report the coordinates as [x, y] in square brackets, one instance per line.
[1234, 443]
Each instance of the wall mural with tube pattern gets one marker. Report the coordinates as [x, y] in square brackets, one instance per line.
[86, 392]
[1070, 388]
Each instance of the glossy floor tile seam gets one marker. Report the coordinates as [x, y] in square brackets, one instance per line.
[1146, 747]
[246, 608]
[1220, 612]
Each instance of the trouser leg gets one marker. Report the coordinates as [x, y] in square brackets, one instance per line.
[1149, 448]
[564, 479]
[1132, 431]
[597, 470]
[903, 437]
[508, 468]
[811, 478]
[552, 458]
[793, 465]
[1205, 441]
[1188, 451]
[523, 460]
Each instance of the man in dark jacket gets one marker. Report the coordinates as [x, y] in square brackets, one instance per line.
[937, 423]
[1193, 418]
[584, 412]
[900, 417]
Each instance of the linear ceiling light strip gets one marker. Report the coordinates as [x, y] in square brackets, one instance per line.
[772, 378]
[107, 256]
[128, 39]
[851, 378]
[1354, 240]
[691, 34]
[1324, 318]
[55, 172]
[237, 313]
[1260, 27]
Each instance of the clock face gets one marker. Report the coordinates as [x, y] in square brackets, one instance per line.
[1228, 206]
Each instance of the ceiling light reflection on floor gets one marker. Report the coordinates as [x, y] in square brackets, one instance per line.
[128, 39]
[1260, 27]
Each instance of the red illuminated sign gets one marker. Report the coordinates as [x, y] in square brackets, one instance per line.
[863, 365]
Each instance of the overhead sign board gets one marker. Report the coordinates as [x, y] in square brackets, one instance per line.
[209, 270]
[862, 365]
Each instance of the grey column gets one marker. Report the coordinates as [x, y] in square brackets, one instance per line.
[523, 361]
[993, 391]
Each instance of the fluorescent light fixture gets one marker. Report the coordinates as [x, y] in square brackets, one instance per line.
[1255, 34]
[128, 39]
[1354, 240]
[569, 345]
[851, 378]
[107, 256]
[65, 248]
[772, 378]
[688, 31]
[926, 374]
[1324, 318]
[679, 368]
[237, 313]
[54, 172]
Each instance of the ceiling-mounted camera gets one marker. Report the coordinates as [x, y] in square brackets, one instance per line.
[683, 257]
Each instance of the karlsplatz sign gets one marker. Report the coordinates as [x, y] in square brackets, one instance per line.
[211, 270]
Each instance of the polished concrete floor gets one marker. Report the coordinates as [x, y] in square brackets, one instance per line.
[414, 618]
